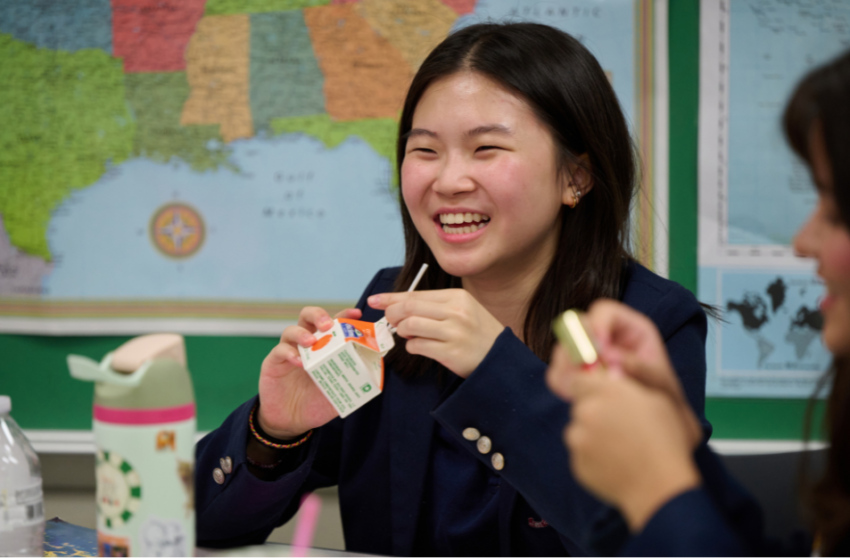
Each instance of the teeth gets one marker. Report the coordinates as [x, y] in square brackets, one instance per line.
[465, 229]
[465, 218]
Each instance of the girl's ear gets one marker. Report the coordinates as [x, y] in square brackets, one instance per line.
[579, 181]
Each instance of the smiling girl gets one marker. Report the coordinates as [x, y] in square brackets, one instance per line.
[517, 176]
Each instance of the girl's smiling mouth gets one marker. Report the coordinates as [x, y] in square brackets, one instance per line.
[461, 222]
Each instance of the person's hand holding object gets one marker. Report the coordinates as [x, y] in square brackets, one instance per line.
[290, 402]
[448, 326]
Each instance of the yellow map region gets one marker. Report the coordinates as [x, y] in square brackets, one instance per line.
[414, 28]
[217, 69]
[366, 77]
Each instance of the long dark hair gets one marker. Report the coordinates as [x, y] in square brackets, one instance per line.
[570, 94]
[823, 98]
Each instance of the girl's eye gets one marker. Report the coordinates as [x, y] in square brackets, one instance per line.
[424, 150]
[482, 148]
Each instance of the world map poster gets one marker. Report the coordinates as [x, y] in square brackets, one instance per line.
[212, 166]
[754, 194]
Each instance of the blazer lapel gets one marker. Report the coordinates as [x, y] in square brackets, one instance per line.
[412, 430]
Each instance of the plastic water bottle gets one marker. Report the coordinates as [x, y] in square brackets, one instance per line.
[21, 500]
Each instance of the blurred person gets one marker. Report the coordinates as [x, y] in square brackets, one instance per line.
[634, 440]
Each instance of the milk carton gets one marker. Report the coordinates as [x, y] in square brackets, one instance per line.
[347, 362]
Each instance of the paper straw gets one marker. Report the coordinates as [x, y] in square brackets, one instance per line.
[419, 276]
[413, 284]
[305, 526]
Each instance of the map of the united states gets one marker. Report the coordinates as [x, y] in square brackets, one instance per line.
[96, 83]
[222, 159]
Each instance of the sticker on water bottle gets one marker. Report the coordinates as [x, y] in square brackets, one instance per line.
[163, 537]
[22, 507]
[119, 489]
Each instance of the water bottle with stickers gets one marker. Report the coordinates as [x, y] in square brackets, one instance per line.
[144, 430]
[21, 501]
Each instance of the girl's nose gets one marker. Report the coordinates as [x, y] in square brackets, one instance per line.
[806, 238]
[455, 177]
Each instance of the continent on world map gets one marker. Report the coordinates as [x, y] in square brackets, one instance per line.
[806, 326]
[776, 291]
[753, 312]
[752, 309]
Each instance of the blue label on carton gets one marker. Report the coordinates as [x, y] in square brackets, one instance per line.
[350, 331]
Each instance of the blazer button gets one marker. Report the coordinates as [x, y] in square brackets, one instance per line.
[484, 445]
[218, 476]
[498, 461]
[471, 434]
[226, 465]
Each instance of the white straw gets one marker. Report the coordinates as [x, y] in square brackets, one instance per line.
[413, 284]
[419, 276]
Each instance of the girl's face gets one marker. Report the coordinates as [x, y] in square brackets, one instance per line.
[826, 238]
[480, 179]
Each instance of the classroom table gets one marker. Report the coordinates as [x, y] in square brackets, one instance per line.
[65, 539]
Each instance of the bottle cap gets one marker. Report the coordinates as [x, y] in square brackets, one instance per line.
[5, 404]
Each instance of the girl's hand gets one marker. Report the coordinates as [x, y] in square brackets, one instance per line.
[630, 343]
[628, 445]
[290, 402]
[448, 326]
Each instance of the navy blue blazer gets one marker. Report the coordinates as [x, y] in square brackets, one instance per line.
[719, 518]
[379, 455]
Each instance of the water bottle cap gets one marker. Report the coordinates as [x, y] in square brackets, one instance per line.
[5, 404]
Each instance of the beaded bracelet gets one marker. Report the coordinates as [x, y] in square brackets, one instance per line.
[272, 444]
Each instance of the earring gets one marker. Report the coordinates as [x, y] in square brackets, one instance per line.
[572, 203]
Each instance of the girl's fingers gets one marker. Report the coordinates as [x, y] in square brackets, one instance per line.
[351, 313]
[298, 335]
[428, 348]
[422, 327]
[587, 384]
[284, 353]
[417, 308]
[382, 301]
[614, 323]
[314, 318]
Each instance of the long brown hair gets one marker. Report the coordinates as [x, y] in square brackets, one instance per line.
[570, 94]
[823, 97]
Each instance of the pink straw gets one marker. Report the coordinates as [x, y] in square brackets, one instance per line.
[305, 525]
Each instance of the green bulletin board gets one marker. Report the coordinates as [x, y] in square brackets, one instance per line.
[225, 370]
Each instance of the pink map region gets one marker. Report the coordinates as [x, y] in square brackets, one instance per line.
[461, 7]
[151, 35]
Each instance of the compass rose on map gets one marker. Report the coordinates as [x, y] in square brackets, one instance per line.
[177, 230]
